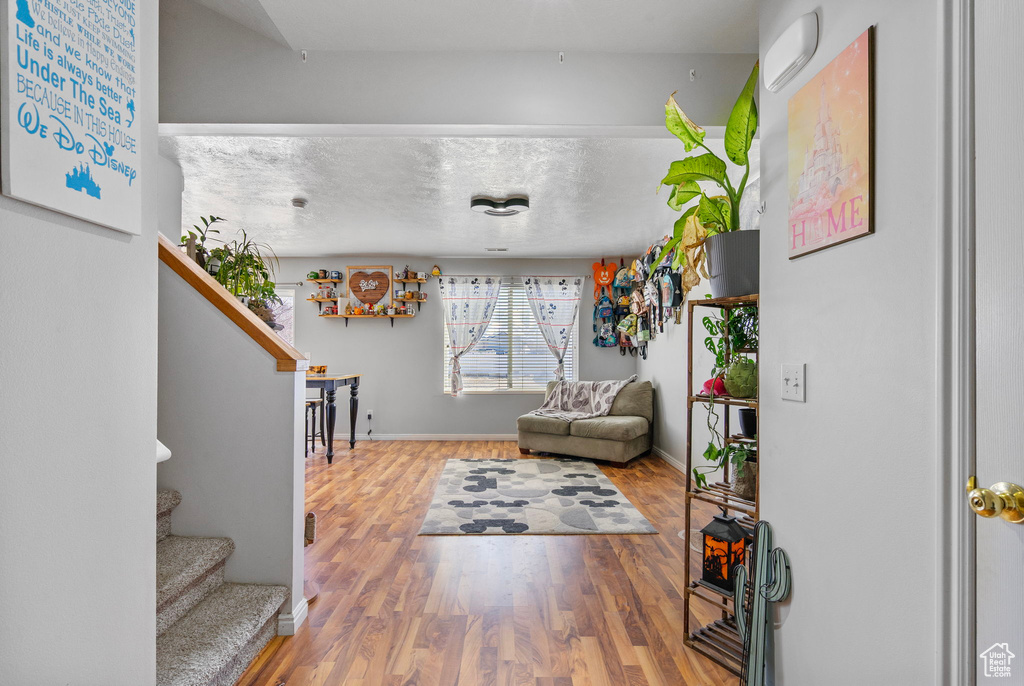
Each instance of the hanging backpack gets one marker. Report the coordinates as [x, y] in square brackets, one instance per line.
[604, 307]
[637, 304]
[622, 306]
[606, 336]
[622, 279]
[628, 325]
[643, 330]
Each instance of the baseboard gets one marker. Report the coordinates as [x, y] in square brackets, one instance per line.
[678, 464]
[288, 622]
[431, 437]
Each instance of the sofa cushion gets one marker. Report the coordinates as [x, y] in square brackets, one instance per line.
[537, 424]
[610, 428]
[634, 400]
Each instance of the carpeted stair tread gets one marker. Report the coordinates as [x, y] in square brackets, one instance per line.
[182, 561]
[204, 646]
[166, 500]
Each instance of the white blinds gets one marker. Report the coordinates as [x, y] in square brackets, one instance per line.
[512, 355]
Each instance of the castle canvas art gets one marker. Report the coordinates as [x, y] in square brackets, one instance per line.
[830, 148]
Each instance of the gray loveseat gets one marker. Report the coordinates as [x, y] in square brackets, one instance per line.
[619, 437]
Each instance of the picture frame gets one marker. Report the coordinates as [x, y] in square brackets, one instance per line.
[371, 284]
[831, 152]
[70, 131]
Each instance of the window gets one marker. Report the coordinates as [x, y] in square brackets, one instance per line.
[284, 314]
[512, 356]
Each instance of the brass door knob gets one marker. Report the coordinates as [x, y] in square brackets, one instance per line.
[1004, 499]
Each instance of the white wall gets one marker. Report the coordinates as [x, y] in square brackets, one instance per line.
[839, 472]
[402, 366]
[77, 435]
[234, 425]
[248, 78]
[665, 368]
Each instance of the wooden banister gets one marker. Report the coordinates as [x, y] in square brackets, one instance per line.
[288, 358]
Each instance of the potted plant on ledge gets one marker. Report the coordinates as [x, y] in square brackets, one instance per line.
[709, 229]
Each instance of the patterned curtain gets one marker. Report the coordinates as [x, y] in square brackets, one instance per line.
[555, 302]
[468, 303]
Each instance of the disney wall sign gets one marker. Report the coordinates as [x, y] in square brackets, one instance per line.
[69, 88]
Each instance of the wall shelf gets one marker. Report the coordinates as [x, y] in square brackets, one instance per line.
[719, 640]
[723, 400]
[346, 317]
[325, 280]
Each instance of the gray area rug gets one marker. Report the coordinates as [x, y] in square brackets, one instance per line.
[530, 496]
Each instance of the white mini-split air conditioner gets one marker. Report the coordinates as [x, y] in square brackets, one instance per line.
[790, 52]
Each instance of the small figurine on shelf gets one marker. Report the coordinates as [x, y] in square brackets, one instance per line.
[407, 273]
[436, 271]
[348, 308]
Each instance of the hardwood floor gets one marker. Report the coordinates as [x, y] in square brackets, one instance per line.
[400, 609]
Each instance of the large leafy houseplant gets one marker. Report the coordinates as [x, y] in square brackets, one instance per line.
[704, 215]
[246, 269]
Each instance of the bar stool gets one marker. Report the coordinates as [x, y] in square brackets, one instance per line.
[312, 405]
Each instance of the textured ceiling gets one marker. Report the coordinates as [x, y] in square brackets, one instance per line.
[588, 196]
[681, 26]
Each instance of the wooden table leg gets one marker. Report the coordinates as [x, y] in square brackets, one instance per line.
[353, 412]
[332, 412]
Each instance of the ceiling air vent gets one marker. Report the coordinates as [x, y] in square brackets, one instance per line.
[496, 249]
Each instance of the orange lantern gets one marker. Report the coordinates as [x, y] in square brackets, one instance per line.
[724, 547]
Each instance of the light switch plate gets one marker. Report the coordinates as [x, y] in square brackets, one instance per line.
[793, 382]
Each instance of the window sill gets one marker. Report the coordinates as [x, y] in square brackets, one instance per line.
[468, 392]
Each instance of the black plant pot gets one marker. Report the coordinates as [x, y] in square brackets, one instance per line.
[734, 263]
[748, 421]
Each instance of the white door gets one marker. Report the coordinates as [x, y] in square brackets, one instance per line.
[999, 219]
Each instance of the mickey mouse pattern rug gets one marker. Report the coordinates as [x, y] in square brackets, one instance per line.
[560, 495]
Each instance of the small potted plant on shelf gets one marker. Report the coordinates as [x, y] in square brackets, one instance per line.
[709, 229]
[200, 236]
[744, 457]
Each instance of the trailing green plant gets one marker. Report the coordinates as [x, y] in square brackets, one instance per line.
[742, 332]
[704, 215]
[247, 267]
[733, 453]
[723, 341]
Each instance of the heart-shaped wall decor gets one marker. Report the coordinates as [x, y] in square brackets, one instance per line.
[369, 288]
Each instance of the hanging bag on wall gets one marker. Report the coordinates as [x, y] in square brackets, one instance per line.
[606, 336]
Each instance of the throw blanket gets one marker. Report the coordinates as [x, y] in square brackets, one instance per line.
[571, 400]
